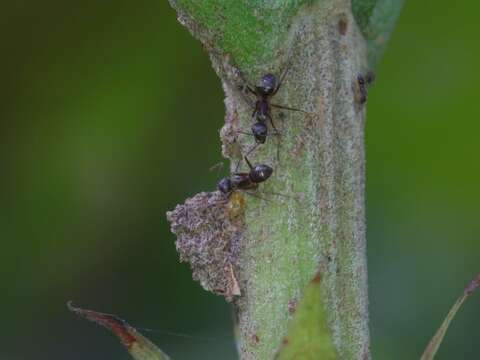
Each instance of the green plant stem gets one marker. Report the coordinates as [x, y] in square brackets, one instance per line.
[319, 226]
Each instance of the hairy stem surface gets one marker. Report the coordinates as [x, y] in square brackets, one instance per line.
[316, 229]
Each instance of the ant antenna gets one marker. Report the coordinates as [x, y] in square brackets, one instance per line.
[285, 71]
[218, 167]
[282, 77]
[238, 165]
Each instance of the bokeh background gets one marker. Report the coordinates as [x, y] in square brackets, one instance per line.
[109, 116]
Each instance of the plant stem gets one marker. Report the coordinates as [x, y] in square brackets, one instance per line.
[319, 226]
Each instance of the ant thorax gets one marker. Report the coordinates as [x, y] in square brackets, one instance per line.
[263, 110]
[260, 131]
[241, 181]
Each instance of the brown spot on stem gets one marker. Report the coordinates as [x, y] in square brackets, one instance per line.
[285, 341]
[317, 278]
[255, 338]
[343, 24]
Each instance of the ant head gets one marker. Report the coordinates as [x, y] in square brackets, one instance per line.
[259, 130]
[225, 186]
[267, 84]
[260, 173]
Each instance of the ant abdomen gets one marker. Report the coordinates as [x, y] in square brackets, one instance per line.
[260, 173]
[260, 132]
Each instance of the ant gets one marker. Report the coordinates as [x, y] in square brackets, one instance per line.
[243, 180]
[265, 89]
[363, 82]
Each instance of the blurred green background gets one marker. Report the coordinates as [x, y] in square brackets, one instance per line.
[109, 115]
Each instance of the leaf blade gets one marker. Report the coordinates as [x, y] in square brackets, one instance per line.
[309, 323]
[139, 347]
[376, 19]
[437, 339]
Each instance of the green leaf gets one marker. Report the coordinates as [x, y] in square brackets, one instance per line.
[309, 323]
[136, 344]
[434, 344]
[376, 19]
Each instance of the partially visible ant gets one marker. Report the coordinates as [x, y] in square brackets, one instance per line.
[244, 180]
[363, 82]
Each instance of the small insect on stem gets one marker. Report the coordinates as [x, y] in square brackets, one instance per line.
[264, 91]
[248, 182]
[243, 180]
[363, 82]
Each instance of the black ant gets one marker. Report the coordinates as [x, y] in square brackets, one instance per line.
[243, 180]
[363, 82]
[266, 88]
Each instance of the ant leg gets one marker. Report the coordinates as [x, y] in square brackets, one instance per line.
[250, 89]
[249, 101]
[255, 111]
[254, 114]
[218, 166]
[278, 152]
[238, 165]
[256, 196]
[248, 162]
[290, 108]
[252, 149]
[247, 84]
[273, 125]
[278, 133]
